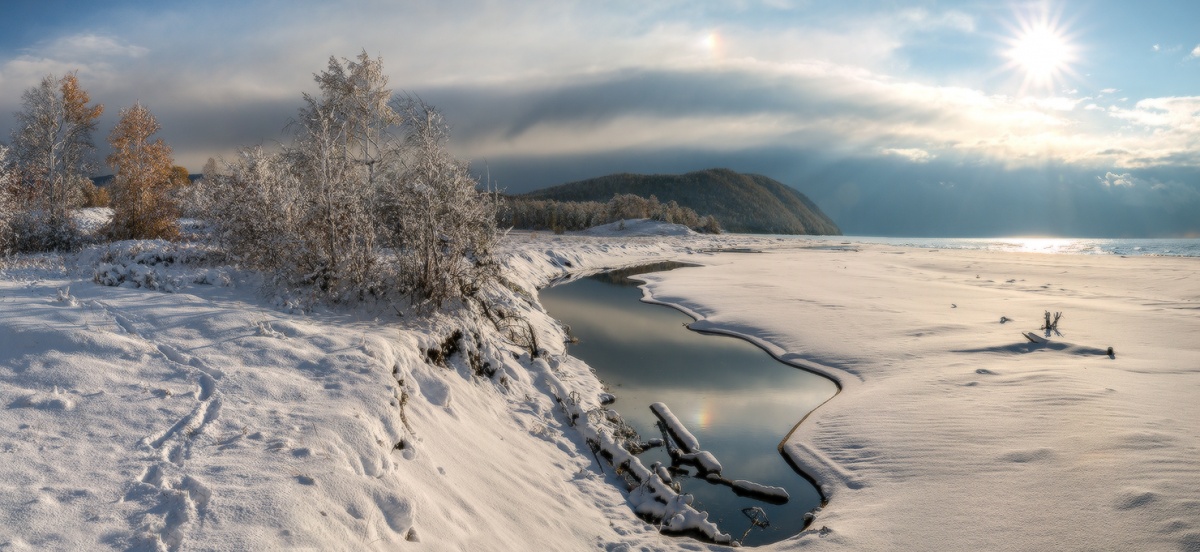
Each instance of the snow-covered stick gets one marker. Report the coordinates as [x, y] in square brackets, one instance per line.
[652, 496]
[767, 493]
[678, 431]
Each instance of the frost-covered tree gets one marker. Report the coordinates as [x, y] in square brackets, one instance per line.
[254, 204]
[142, 207]
[358, 205]
[333, 202]
[357, 94]
[52, 146]
[438, 223]
[8, 206]
[343, 141]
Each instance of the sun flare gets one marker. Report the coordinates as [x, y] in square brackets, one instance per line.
[1042, 51]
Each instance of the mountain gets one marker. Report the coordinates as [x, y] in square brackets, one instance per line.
[747, 203]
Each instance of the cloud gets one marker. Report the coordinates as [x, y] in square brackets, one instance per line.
[829, 107]
[89, 46]
[1196, 51]
[922, 19]
[565, 79]
[915, 155]
[1110, 179]
[1155, 47]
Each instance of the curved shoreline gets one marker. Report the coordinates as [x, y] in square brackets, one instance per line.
[648, 297]
[797, 465]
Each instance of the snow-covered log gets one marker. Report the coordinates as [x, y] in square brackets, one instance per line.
[777, 495]
[678, 431]
[701, 459]
[653, 497]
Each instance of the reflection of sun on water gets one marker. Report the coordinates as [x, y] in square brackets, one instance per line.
[1041, 245]
[704, 414]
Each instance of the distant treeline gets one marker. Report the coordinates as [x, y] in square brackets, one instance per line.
[562, 216]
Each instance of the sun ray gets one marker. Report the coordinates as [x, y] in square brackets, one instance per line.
[1043, 51]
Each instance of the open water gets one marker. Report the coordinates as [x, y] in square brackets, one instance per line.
[735, 398]
[1181, 247]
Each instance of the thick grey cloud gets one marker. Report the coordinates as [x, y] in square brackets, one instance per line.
[818, 96]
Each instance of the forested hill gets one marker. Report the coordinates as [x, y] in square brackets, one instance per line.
[748, 203]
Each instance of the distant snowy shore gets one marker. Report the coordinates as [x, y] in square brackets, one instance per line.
[179, 408]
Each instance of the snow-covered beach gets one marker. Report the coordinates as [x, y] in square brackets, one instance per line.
[212, 418]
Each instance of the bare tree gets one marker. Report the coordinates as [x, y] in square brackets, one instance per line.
[343, 141]
[53, 147]
[332, 201]
[357, 93]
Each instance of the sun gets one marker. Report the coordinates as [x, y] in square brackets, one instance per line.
[1043, 51]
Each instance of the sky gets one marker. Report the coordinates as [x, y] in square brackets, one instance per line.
[901, 118]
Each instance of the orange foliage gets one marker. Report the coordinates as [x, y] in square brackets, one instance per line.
[75, 102]
[141, 206]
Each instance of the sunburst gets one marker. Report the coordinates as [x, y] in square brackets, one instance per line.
[1043, 51]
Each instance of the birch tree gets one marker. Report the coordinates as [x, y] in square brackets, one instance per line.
[141, 204]
[344, 143]
[8, 207]
[365, 179]
[440, 226]
[52, 144]
[255, 206]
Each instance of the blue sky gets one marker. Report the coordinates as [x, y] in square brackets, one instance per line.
[897, 118]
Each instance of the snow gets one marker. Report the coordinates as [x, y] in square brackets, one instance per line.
[90, 220]
[637, 228]
[954, 431]
[679, 432]
[182, 409]
[212, 418]
[752, 488]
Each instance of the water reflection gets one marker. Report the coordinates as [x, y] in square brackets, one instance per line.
[736, 399]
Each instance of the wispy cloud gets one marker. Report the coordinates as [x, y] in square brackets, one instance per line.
[90, 46]
[915, 155]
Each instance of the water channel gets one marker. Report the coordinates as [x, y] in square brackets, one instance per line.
[737, 400]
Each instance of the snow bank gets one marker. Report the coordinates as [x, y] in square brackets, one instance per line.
[954, 431]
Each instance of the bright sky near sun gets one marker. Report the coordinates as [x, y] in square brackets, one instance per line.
[853, 102]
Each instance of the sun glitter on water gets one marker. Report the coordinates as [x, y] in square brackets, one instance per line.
[1042, 50]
